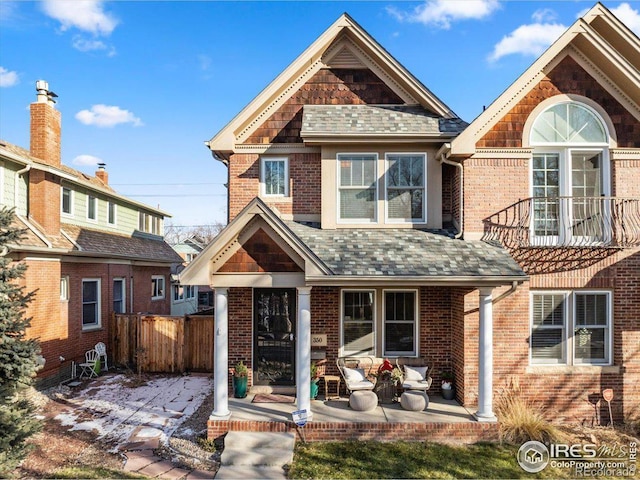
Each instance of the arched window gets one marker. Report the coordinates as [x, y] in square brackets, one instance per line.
[570, 175]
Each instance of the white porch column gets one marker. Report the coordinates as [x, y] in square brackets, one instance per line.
[303, 351]
[485, 358]
[221, 355]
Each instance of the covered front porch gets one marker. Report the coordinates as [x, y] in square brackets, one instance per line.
[443, 420]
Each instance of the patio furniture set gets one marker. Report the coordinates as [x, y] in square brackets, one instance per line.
[407, 383]
[94, 358]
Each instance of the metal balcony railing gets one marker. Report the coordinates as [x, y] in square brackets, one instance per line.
[581, 222]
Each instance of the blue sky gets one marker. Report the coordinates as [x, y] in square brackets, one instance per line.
[142, 85]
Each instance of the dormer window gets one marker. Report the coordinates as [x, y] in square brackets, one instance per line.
[405, 187]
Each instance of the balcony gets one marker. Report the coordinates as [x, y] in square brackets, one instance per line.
[575, 222]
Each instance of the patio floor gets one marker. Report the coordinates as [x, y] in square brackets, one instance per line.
[439, 410]
[442, 421]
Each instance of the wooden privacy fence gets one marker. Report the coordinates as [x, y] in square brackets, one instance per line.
[154, 343]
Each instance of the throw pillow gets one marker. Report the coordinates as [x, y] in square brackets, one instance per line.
[415, 374]
[354, 375]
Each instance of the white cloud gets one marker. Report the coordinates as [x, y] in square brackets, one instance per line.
[442, 13]
[84, 45]
[544, 15]
[8, 78]
[86, 15]
[628, 16]
[107, 116]
[528, 40]
[86, 160]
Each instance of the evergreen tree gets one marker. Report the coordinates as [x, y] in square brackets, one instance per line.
[18, 355]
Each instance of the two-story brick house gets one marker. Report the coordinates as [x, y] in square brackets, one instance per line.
[89, 250]
[346, 175]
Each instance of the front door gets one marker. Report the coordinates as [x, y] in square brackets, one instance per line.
[274, 317]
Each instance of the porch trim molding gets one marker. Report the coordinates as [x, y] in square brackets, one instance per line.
[485, 357]
[303, 351]
[221, 356]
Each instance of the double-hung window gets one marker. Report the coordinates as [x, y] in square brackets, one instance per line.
[118, 295]
[157, 287]
[400, 323]
[90, 303]
[178, 293]
[111, 213]
[92, 207]
[67, 201]
[274, 177]
[572, 328]
[358, 316]
[357, 187]
[405, 180]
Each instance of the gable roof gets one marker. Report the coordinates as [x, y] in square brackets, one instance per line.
[344, 44]
[600, 43]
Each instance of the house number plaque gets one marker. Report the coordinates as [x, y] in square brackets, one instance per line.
[319, 340]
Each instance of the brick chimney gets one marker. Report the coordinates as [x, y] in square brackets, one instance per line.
[102, 173]
[44, 187]
[45, 126]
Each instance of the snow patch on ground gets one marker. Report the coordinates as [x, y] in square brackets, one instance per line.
[114, 408]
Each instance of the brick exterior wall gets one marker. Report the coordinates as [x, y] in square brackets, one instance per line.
[304, 184]
[567, 78]
[44, 201]
[57, 324]
[45, 133]
[327, 87]
[260, 254]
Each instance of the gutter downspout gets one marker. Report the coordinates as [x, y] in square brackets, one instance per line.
[514, 287]
[443, 159]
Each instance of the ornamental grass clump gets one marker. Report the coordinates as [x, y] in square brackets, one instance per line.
[520, 421]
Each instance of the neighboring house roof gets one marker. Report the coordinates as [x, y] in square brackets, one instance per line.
[20, 155]
[396, 252]
[345, 44]
[599, 43]
[369, 120]
[362, 255]
[101, 244]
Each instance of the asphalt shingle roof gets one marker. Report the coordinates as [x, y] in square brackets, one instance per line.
[353, 120]
[404, 252]
[109, 244]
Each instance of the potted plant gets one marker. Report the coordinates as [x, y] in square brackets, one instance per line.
[314, 380]
[240, 377]
[448, 390]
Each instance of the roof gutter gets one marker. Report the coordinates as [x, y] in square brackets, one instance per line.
[443, 157]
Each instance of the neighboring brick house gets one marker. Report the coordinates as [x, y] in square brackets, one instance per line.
[363, 210]
[89, 251]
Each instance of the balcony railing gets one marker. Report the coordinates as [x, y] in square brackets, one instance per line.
[581, 222]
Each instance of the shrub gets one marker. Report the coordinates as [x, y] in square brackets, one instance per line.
[520, 421]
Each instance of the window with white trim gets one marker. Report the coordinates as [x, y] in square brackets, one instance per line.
[405, 182]
[178, 293]
[400, 322]
[274, 176]
[570, 174]
[150, 223]
[92, 207]
[91, 303]
[189, 292]
[358, 317]
[64, 287]
[571, 328]
[357, 187]
[66, 199]
[111, 213]
[157, 287]
[119, 295]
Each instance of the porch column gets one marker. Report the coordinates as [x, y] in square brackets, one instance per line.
[221, 355]
[303, 351]
[485, 358]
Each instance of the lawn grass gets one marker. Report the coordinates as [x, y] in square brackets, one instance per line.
[354, 460]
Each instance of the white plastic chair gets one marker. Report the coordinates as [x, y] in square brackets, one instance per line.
[102, 353]
[89, 365]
